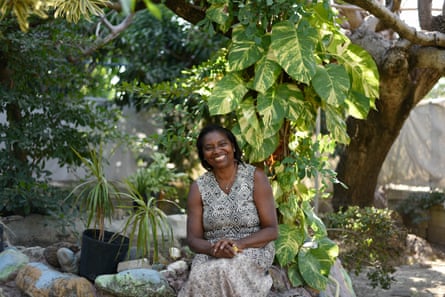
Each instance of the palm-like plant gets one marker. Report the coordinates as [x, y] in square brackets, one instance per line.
[95, 194]
[146, 221]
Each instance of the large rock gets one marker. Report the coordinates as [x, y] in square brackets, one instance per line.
[178, 222]
[135, 283]
[11, 260]
[41, 230]
[38, 280]
[339, 281]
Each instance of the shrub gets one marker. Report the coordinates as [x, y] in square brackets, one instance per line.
[414, 209]
[32, 197]
[368, 238]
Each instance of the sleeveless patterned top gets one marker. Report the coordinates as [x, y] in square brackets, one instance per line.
[233, 215]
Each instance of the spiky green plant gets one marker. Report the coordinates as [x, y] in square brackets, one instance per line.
[95, 194]
[145, 222]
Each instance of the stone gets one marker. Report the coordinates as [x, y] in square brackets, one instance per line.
[133, 264]
[135, 283]
[178, 222]
[50, 252]
[11, 260]
[42, 230]
[68, 260]
[34, 253]
[179, 267]
[72, 287]
[279, 278]
[342, 283]
[174, 253]
[38, 280]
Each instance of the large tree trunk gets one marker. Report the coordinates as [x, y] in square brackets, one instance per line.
[406, 76]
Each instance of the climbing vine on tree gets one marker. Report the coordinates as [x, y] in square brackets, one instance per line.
[287, 62]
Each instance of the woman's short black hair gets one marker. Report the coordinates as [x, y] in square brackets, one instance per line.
[216, 128]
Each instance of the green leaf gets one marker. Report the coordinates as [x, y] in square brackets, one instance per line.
[248, 122]
[313, 221]
[288, 244]
[264, 149]
[363, 70]
[326, 253]
[244, 51]
[299, 110]
[336, 124]
[332, 84]
[294, 49]
[310, 269]
[290, 211]
[267, 70]
[272, 106]
[286, 100]
[294, 275]
[358, 105]
[218, 13]
[152, 8]
[227, 94]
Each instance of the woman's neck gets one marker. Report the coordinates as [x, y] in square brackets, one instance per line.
[226, 176]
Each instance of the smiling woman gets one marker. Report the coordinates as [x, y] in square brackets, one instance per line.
[231, 222]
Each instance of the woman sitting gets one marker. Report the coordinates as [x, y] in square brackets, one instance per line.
[231, 222]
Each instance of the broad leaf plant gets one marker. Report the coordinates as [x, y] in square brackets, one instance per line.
[287, 63]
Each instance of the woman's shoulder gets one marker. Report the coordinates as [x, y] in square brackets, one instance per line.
[204, 179]
[251, 169]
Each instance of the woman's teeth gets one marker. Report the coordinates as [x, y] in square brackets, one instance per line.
[219, 158]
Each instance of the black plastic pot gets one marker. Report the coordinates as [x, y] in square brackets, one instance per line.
[101, 257]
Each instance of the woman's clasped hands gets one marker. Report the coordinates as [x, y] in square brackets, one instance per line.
[225, 248]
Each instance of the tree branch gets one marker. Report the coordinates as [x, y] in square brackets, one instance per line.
[185, 9]
[115, 30]
[395, 23]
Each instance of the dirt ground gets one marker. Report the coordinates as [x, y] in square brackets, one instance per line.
[420, 280]
[425, 277]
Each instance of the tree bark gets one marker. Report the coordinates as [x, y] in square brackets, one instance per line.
[424, 11]
[407, 73]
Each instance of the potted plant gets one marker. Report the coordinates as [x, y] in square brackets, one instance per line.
[147, 222]
[101, 250]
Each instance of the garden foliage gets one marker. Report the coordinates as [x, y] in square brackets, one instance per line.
[371, 239]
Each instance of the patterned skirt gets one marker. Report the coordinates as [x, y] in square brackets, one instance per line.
[240, 276]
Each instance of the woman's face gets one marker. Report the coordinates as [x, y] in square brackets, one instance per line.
[217, 150]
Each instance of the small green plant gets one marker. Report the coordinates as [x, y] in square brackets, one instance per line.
[415, 208]
[146, 219]
[144, 223]
[368, 238]
[157, 179]
[95, 194]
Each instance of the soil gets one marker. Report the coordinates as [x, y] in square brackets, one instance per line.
[423, 276]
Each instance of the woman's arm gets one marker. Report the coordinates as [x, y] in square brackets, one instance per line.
[195, 230]
[265, 203]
